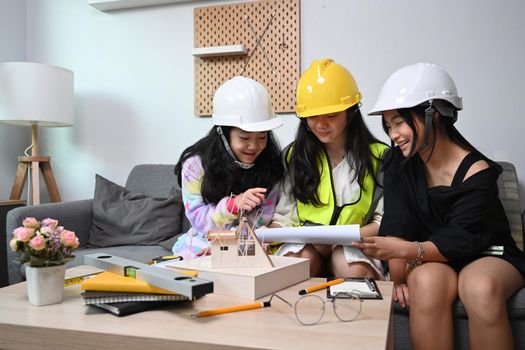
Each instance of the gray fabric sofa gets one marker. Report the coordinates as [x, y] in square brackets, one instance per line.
[157, 180]
[154, 180]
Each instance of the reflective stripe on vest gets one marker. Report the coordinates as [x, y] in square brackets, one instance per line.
[349, 213]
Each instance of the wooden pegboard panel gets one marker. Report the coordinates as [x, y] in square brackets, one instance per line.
[228, 25]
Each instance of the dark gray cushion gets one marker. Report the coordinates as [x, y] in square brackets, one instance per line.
[122, 217]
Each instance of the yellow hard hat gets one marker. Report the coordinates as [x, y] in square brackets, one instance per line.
[325, 87]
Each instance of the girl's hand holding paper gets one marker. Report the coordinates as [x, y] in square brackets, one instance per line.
[379, 247]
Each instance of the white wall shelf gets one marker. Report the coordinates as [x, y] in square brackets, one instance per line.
[227, 50]
[108, 5]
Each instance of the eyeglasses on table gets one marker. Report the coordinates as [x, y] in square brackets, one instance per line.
[310, 308]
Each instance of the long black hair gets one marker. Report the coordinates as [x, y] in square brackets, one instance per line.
[222, 176]
[446, 127]
[308, 150]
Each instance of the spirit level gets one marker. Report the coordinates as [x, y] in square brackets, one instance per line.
[159, 277]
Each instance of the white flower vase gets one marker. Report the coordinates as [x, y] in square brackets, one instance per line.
[45, 285]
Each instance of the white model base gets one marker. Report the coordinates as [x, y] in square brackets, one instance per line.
[250, 283]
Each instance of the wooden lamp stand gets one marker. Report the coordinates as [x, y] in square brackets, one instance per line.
[37, 164]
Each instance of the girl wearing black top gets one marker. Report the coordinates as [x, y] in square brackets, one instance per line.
[442, 218]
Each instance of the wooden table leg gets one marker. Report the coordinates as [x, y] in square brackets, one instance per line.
[51, 184]
[20, 179]
[35, 182]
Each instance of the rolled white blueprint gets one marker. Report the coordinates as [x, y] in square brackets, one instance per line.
[338, 234]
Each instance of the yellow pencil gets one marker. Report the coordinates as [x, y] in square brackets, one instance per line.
[320, 286]
[77, 280]
[229, 309]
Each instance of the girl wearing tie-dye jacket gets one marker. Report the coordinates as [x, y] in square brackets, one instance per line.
[235, 170]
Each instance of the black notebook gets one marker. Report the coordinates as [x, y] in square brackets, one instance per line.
[97, 297]
[132, 307]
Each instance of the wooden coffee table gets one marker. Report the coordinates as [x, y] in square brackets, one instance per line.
[71, 325]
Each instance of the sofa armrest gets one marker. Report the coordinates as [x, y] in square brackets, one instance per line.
[523, 226]
[509, 194]
[76, 216]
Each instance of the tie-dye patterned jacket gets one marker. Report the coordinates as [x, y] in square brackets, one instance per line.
[205, 216]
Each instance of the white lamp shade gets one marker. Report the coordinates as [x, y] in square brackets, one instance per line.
[36, 93]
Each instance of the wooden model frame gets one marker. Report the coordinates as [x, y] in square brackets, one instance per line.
[237, 249]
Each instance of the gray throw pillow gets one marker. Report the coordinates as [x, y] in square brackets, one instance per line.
[121, 217]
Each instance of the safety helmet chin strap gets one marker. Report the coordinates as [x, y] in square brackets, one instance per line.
[429, 114]
[230, 152]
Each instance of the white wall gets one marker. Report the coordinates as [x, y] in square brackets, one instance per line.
[13, 139]
[134, 73]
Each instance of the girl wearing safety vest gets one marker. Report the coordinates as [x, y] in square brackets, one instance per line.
[447, 234]
[234, 170]
[332, 171]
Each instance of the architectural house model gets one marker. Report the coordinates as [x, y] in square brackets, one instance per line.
[239, 248]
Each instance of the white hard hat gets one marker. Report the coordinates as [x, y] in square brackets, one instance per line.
[414, 84]
[244, 103]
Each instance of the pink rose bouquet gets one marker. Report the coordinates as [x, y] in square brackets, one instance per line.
[43, 243]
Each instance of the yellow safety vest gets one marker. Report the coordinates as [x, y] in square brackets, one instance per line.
[358, 212]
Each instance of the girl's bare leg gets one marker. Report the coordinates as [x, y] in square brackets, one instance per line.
[433, 289]
[484, 287]
[309, 252]
[341, 268]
